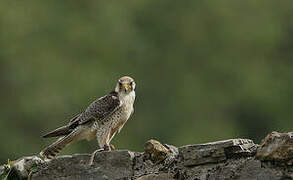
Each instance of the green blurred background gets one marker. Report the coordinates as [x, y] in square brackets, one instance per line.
[205, 70]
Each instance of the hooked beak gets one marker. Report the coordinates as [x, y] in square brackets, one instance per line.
[126, 87]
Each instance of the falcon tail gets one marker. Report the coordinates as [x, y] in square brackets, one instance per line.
[52, 150]
[62, 131]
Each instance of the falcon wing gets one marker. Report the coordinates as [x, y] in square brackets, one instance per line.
[100, 108]
[74, 119]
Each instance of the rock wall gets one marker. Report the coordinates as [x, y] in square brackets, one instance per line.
[239, 159]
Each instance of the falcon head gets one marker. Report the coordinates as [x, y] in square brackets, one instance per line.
[125, 85]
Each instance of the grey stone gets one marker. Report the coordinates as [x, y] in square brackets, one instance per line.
[234, 169]
[232, 159]
[25, 165]
[277, 147]
[20, 168]
[161, 176]
[143, 165]
[107, 165]
[155, 159]
[216, 151]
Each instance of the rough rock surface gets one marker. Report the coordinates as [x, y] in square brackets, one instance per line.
[216, 151]
[278, 147]
[107, 165]
[235, 159]
[155, 151]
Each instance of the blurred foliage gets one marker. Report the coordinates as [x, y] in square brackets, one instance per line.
[205, 70]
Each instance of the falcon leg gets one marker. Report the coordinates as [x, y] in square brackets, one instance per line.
[106, 147]
[93, 156]
[112, 147]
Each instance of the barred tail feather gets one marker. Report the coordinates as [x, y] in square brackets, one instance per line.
[62, 131]
[52, 150]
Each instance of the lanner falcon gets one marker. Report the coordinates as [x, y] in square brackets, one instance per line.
[102, 119]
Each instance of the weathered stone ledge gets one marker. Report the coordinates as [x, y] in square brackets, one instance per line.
[239, 159]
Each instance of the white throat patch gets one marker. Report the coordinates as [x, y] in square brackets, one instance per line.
[127, 98]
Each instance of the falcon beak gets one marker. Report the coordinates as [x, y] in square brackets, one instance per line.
[126, 87]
